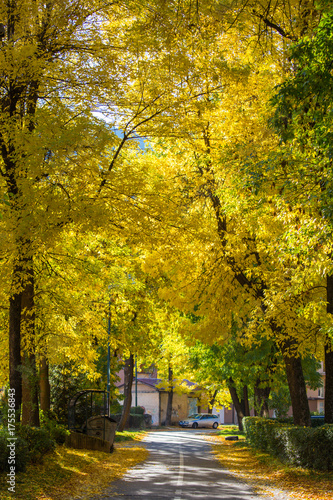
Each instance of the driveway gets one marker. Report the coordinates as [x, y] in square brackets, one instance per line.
[181, 466]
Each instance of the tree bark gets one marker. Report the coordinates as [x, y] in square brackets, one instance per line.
[128, 369]
[212, 402]
[239, 404]
[30, 407]
[261, 395]
[297, 386]
[329, 358]
[246, 401]
[44, 386]
[15, 374]
[168, 418]
[293, 364]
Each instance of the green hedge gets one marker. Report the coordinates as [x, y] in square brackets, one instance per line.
[134, 421]
[137, 410]
[21, 452]
[307, 447]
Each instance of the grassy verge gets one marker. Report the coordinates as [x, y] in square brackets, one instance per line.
[67, 473]
[267, 474]
[133, 435]
[230, 430]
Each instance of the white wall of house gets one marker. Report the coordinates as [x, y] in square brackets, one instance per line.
[148, 397]
[220, 414]
[150, 401]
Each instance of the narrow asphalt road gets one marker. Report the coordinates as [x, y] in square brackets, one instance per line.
[181, 466]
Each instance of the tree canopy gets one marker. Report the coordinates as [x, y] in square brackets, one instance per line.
[223, 216]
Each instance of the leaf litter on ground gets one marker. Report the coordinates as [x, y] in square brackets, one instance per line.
[268, 476]
[70, 474]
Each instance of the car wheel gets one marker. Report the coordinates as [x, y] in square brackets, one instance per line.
[215, 425]
[195, 425]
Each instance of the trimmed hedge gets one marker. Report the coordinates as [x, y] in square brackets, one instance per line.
[307, 447]
[134, 421]
[137, 410]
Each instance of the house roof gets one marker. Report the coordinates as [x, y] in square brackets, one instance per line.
[153, 382]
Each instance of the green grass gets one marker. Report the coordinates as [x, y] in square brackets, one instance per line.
[230, 430]
[133, 435]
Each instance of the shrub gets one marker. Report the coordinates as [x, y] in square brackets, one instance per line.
[57, 432]
[66, 381]
[38, 441]
[136, 421]
[115, 406]
[317, 420]
[21, 452]
[137, 410]
[303, 446]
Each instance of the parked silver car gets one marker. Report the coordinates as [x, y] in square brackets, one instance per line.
[200, 420]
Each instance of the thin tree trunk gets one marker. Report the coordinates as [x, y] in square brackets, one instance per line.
[30, 407]
[261, 395]
[44, 386]
[212, 402]
[329, 358]
[15, 373]
[246, 401]
[168, 419]
[297, 386]
[293, 364]
[239, 405]
[128, 381]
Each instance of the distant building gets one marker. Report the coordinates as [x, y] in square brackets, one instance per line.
[147, 393]
[154, 399]
[317, 397]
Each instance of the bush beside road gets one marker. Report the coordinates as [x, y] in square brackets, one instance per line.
[268, 475]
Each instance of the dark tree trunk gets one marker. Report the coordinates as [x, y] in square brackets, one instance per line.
[44, 386]
[212, 401]
[30, 382]
[297, 386]
[329, 358]
[128, 369]
[293, 364]
[328, 381]
[238, 404]
[168, 418]
[261, 395]
[30, 407]
[15, 373]
[246, 401]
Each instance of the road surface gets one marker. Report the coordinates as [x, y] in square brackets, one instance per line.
[181, 466]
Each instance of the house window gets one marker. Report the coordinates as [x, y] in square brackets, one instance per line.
[321, 408]
[192, 403]
[321, 392]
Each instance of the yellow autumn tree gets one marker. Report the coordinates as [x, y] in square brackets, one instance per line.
[228, 246]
